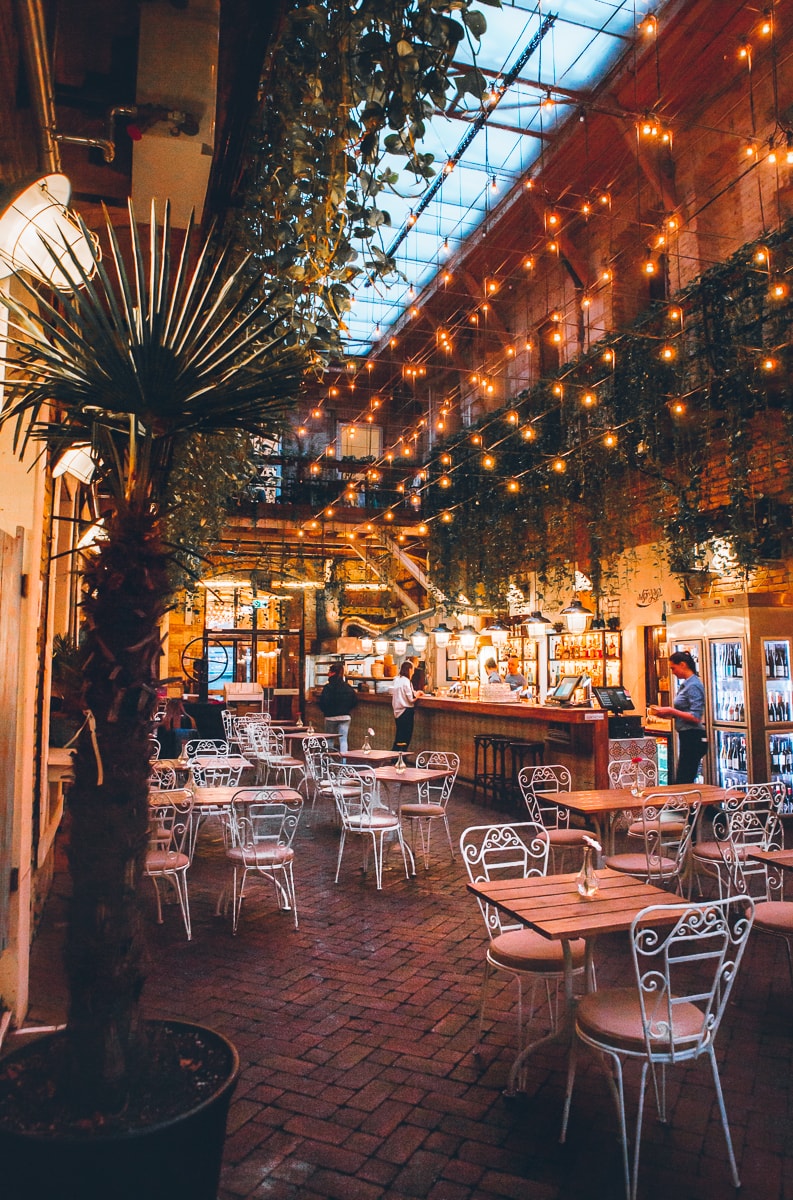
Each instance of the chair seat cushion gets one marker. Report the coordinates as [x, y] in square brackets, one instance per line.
[636, 864]
[261, 856]
[525, 950]
[710, 851]
[379, 818]
[166, 860]
[422, 810]
[670, 824]
[776, 916]
[567, 837]
[614, 1016]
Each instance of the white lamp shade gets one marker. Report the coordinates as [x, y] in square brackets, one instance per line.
[380, 645]
[537, 625]
[76, 461]
[468, 636]
[442, 633]
[419, 639]
[39, 235]
[576, 616]
[497, 634]
[400, 642]
[366, 645]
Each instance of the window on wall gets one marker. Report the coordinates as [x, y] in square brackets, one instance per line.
[359, 441]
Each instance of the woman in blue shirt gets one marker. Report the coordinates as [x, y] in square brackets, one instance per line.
[688, 712]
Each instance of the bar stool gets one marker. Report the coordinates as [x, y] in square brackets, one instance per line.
[491, 776]
[523, 754]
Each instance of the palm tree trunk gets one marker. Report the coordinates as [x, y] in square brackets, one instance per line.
[124, 598]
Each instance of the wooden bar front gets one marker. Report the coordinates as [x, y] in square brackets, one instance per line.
[575, 737]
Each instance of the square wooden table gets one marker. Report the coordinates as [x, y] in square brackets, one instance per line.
[551, 905]
[369, 758]
[394, 780]
[602, 805]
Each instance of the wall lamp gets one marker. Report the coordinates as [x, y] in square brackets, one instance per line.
[41, 236]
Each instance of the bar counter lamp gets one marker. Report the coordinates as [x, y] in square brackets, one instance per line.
[497, 633]
[38, 233]
[366, 644]
[400, 642]
[380, 645]
[576, 616]
[537, 625]
[442, 633]
[468, 636]
[419, 638]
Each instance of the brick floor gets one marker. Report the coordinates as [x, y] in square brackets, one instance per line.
[356, 1036]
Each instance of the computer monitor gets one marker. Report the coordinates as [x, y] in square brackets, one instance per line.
[614, 699]
[563, 692]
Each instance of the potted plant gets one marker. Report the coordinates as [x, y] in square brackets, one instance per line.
[135, 365]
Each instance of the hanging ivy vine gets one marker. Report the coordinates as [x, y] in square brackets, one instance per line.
[675, 450]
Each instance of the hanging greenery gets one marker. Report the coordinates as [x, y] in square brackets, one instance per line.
[348, 91]
[672, 444]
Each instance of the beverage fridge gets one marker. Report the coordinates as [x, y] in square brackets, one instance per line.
[742, 647]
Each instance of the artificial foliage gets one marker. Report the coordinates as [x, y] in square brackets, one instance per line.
[675, 450]
[348, 90]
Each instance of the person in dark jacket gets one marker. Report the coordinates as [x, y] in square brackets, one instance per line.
[336, 701]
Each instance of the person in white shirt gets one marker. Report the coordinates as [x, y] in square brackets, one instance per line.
[402, 700]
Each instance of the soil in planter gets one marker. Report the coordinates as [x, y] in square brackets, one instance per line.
[185, 1067]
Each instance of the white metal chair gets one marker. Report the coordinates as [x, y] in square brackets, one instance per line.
[154, 748]
[750, 818]
[683, 979]
[272, 759]
[636, 774]
[168, 854]
[517, 850]
[162, 778]
[262, 826]
[207, 774]
[360, 812]
[206, 747]
[432, 798]
[764, 882]
[668, 822]
[535, 784]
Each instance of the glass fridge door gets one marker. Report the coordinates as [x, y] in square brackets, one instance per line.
[778, 687]
[729, 699]
[731, 759]
[780, 753]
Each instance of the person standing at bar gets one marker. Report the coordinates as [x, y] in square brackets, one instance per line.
[403, 699]
[687, 712]
[336, 701]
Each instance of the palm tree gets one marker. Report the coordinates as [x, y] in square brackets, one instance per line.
[133, 363]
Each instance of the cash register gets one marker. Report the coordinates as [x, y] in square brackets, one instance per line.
[616, 701]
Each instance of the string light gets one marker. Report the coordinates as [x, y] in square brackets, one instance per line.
[677, 408]
[559, 466]
[779, 290]
[610, 439]
[667, 353]
[446, 517]
[488, 462]
[558, 390]
[589, 399]
[513, 486]
[445, 481]
[446, 460]
[528, 433]
[476, 439]
[769, 364]
[422, 529]
[512, 417]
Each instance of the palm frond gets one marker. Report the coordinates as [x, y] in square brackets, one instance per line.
[177, 348]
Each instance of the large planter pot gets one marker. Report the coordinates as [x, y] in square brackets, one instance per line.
[176, 1158]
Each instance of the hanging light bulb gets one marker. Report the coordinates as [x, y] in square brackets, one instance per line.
[610, 439]
[537, 625]
[528, 433]
[559, 465]
[400, 642]
[468, 636]
[488, 462]
[380, 645]
[445, 481]
[422, 529]
[446, 517]
[441, 633]
[513, 485]
[576, 616]
[419, 638]
[589, 400]
[366, 644]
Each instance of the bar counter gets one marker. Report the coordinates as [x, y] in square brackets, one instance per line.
[575, 737]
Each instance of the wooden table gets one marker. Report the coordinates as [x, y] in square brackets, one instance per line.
[552, 906]
[395, 780]
[369, 758]
[602, 805]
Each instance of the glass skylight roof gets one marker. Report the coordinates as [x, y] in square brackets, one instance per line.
[584, 42]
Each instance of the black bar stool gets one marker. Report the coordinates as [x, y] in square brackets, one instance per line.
[491, 774]
[523, 754]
